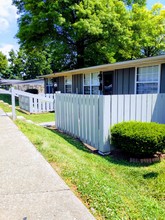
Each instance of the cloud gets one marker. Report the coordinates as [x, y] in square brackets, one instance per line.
[5, 48]
[4, 24]
[8, 14]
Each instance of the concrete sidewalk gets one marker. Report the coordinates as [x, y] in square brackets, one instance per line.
[29, 187]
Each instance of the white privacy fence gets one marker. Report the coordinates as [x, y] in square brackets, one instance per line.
[35, 103]
[90, 117]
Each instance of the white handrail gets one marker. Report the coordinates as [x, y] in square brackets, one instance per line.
[30, 95]
[33, 103]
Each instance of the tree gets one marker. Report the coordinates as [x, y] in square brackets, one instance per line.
[37, 64]
[3, 65]
[72, 28]
[151, 27]
[17, 64]
[147, 33]
[25, 65]
[81, 33]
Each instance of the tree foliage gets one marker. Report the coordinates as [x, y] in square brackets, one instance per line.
[3, 64]
[72, 28]
[83, 33]
[17, 62]
[145, 34]
[25, 65]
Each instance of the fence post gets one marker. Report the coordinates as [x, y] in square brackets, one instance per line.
[30, 104]
[13, 103]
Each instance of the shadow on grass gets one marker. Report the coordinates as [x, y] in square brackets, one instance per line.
[150, 175]
[110, 158]
[71, 140]
[125, 162]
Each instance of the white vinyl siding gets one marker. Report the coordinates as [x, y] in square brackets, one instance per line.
[147, 79]
[91, 83]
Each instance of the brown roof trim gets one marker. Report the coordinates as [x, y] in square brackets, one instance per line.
[113, 66]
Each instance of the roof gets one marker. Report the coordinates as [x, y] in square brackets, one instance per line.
[108, 67]
[13, 81]
[9, 81]
[32, 81]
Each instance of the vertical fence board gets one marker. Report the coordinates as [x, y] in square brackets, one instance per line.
[64, 106]
[81, 116]
[100, 122]
[144, 108]
[92, 117]
[35, 105]
[78, 112]
[120, 110]
[84, 119]
[56, 109]
[39, 106]
[60, 112]
[76, 115]
[72, 112]
[114, 109]
[149, 108]
[126, 107]
[67, 120]
[31, 104]
[63, 114]
[154, 108]
[69, 113]
[97, 119]
[63, 101]
[60, 107]
[57, 112]
[43, 106]
[138, 107]
[106, 124]
[161, 109]
[88, 104]
[132, 107]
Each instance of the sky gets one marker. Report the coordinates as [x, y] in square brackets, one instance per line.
[9, 28]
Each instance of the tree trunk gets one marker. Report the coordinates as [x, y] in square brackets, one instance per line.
[80, 54]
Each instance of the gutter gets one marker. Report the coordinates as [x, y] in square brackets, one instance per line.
[109, 67]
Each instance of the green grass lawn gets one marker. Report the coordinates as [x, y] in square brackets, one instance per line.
[37, 118]
[110, 188]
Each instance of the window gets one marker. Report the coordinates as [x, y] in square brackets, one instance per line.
[68, 84]
[87, 82]
[49, 86]
[147, 79]
[91, 83]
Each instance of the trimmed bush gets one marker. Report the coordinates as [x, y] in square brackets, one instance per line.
[140, 139]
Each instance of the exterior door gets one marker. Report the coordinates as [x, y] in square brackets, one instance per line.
[108, 83]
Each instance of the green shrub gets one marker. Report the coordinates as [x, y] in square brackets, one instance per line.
[139, 139]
